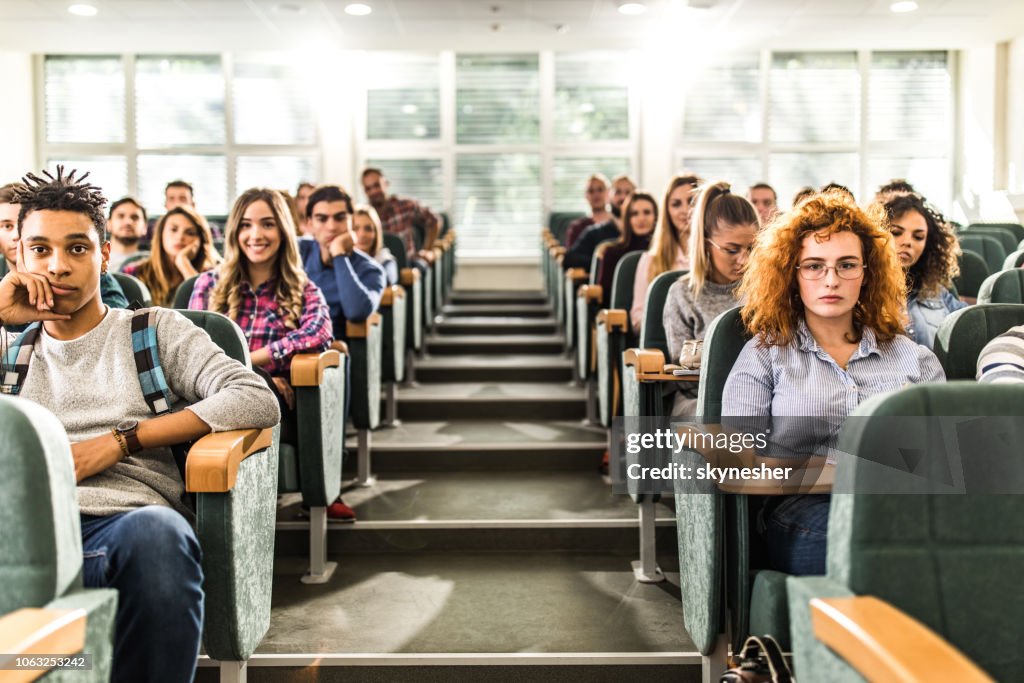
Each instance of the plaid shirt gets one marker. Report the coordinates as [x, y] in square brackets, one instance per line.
[398, 215]
[263, 325]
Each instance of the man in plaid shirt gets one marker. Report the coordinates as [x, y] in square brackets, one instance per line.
[398, 215]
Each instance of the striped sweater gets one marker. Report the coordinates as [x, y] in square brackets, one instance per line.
[1002, 359]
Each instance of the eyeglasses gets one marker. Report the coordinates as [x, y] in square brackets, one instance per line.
[847, 270]
[732, 252]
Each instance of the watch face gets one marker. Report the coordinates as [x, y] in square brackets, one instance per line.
[127, 425]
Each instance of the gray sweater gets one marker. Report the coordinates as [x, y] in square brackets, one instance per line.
[90, 384]
[686, 318]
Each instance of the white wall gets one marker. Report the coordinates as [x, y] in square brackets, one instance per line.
[17, 123]
[1015, 124]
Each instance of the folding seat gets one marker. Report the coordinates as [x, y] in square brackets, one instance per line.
[964, 333]
[587, 303]
[986, 246]
[614, 335]
[1005, 287]
[135, 290]
[973, 271]
[393, 349]
[1007, 236]
[573, 279]
[41, 592]
[409, 278]
[1016, 228]
[365, 344]
[899, 560]
[1014, 260]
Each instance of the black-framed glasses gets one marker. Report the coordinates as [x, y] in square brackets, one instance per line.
[730, 251]
[847, 270]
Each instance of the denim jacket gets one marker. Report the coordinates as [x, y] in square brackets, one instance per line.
[927, 314]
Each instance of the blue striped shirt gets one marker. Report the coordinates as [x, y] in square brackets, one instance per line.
[802, 380]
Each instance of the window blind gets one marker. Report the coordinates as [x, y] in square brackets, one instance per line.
[403, 98]
[84, 99]
[497, 99]
[179, 101]
[498, 204]
[814, 97]
[724, 102]
[591, 96]
[271, 105]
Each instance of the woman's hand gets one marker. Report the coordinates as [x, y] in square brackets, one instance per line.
[26, 298]
[95, 455]
[183, 261]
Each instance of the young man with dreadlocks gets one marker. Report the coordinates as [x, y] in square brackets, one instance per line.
[136, 531]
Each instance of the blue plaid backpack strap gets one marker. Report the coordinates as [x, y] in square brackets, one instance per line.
[147, 361]
[16, 359]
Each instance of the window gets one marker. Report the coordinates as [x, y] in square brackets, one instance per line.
[498, 202]
[591, 97]
[419, 179]
[497, 99]
[814, 97]
[179, 101]
[791, 171]
[741, 172]
[207, 174]
[84, 99]
[278, 172]
[733, 114]
[403, 98]
[271, 105]
[109, 173]
[570, 179]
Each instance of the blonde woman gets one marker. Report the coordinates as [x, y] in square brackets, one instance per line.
[370, 239]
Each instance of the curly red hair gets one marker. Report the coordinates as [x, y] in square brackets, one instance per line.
[770, 287]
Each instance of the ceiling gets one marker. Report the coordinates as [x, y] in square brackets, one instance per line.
[471, 25]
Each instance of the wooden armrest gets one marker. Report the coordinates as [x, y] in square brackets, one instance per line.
[577, 275]
[408, 276]
[884, 644]
[308, 368]
[560, 258]
[556, 251]
[361, 330]
[650, 367]
[36, 631]
[592, 293]
[613, 319]
[212, 463]
[340, 346]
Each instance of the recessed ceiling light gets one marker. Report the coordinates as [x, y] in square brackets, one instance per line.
[83, 10]
[358, 9]
[632, 8]
[903, 6]
[290, 9]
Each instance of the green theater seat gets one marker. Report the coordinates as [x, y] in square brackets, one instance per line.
[409, 279]
[134, 289]
[964, 333]
[973, 271]
[1004, 287]
[986, 246]
[614, 335]
[1014, 260]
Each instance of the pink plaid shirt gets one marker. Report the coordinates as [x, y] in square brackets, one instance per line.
[397, 216]
[263, 325]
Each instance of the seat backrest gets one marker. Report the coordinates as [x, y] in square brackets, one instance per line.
[1016, 228]
[184, 293]
[986, 246]
[558, 222]
[1014, 260]
[40, 538]
[224, 333]
[973, 271]
[652, 330]
[1005, 287]
[964, 333]
[1006, 236]
[952, 561]
[723, 341]
[622, 281]
[134, 289]
[396, 246]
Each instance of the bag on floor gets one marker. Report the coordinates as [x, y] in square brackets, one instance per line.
[760, 661]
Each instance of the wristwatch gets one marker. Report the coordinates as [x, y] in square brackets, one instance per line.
[128, 430]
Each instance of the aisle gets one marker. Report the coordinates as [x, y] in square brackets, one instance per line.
[489, 541]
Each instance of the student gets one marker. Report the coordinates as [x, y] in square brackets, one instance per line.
[262, 287]
[582, 251]
[179, 193]
[928, 252]
[825, 297]
[669, 244]
[182, 248]
[1002, 359]
[894, 186]
[596, 194]
[302, 193]
[640, 217]
[764, 199]
[400, 215]
[137, 533]
[369, 239]
[126, 225]
[724, 228]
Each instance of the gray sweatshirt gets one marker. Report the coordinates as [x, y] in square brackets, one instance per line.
[686, 317]
[90, 384]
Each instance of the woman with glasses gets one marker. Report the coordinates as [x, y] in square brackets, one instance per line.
[724, 228]
[928, 252]
[668, 246]
[825, 297]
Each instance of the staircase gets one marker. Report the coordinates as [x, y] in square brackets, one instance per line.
[489, 547]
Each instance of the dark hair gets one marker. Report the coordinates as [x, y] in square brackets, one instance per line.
[62, 193]
[938, 263]
[302, 185]
[328, 193]
[127, 200]
[180, 183]
[896, 185]
[836, 187]
[9, 191]
[803, 193]
[370, 169]
[763, 186]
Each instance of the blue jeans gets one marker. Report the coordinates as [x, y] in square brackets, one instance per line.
[151, 556]
[796, 531]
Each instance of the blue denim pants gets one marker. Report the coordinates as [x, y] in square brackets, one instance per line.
[796, 530]
[151, 556]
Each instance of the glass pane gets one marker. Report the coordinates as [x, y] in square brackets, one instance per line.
[404, 97]
[179, 101]
[724, 102]
[498, 204]
[109, 173]
[84, 99]
[591, 97]
[570, 179]
[739, 172]
[418, 179]
[814, 97]
[910, 97]
[271, 105]
[207, 174]
[790, 172]
[932, 177]
[497, 99]
[275, 172]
